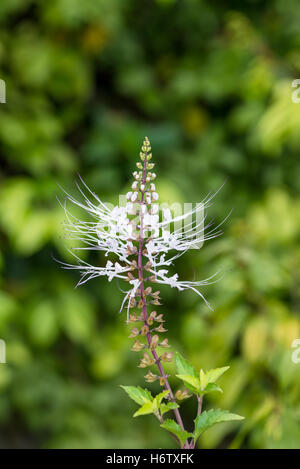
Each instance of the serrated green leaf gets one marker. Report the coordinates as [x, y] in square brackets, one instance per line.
[146, 409]
[211, 387]
[157, 400]
[174, 428]
[137, 394]
[167, 407]
[213, 375]
[184, 367]
[211, 417]
[191, 382]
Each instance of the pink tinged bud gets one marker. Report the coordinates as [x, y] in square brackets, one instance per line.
[155, 196]
[137, 346]
[166, 357]
[144, 330]
[156, 302]
[180, 395]
[148, 179]
[153, 315]
[159, 318]
[152, 187]
[146, 361]
[150, 377]
[154, 341]
[128, 195]
[164, 343]
[132, 318]
[142, 187]
[134, 332]
[134, 185]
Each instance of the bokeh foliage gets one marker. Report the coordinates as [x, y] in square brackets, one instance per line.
[211, 87]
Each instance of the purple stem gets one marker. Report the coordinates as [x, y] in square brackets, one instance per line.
[145, 313]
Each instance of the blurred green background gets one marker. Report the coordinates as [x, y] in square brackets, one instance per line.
[209, 82]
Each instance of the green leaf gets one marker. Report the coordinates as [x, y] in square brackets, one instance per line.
[211, 387]
[174, 428]
[191, 382]
[146, 409]
[184, 367]
[138, 395]
[209, 418]
[157, 400]
[213, 375]
[203, 380]
[167, 407]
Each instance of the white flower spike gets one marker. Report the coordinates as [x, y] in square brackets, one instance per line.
[133, 234]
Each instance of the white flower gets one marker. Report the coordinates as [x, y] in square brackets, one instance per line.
[134, 197]
[113, 232]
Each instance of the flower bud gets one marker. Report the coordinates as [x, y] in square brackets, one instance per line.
[132, 318]
[154, 196]
[154, 341]
[139, 165]
[164, 343]
[146, 361]
[162, 381]
[128, 195]
[159, 318]
[152, 186]
[166, 357]
[134, 185]
[146, 148]
[144, 330]
[134, 197]
[156, 294]
[160, 329]
[137, 346]
[180, 395]
[132, 303]
[150, 377]
[150, 165]
[134, 332]
[156, 302]
[142, 187]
